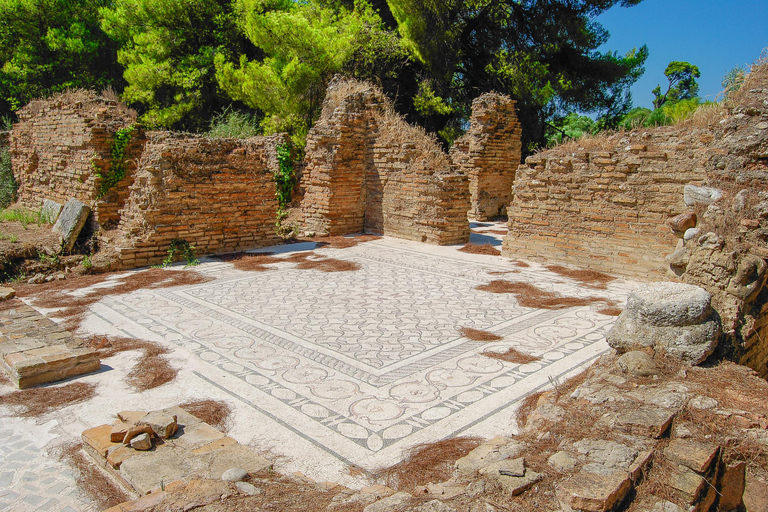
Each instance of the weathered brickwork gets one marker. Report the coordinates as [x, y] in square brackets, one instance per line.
[58, 144]
[367, 169]
[605, 207]
[216, 194]
[489, 153]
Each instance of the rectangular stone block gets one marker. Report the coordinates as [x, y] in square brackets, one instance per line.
[70, 222]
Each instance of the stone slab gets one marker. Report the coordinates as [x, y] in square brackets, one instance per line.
[691, 454]
[592, 492]
[50, 212]
[70, 222]
[646, 421]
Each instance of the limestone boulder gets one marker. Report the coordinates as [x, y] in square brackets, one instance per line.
[693, 195]
[674, 317]
[70, 222]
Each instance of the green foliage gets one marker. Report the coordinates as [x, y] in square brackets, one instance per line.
[668, 114]
[428, 103]
[234, 124]
[87, 263]
[167, 48]
[181, 248]
[24, 217]
[284, 175]
[8, 184]
[573, 126]
[682, 84]
[302, 45]
[635, 118]
[116, 171]
[52, 45]
[733, 80]
[542, 53]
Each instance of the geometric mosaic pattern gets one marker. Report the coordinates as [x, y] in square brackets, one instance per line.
[364, 364]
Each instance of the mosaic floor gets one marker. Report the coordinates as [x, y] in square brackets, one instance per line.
[361, 365]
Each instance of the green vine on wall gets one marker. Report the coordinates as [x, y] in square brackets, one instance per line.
[284, 179]
[116, 171]
[180, 247]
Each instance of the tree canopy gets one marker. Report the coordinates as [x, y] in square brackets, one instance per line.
[182, 62]
[682, 84]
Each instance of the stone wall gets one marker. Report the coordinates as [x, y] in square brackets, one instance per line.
[489, 153]
[216, 194]
[367, 169]
[59, 143]
[603, 203]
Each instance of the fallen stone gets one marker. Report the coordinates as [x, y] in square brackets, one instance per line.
[731, 487]
[691, 454]
[50, 212]
[37, 279]
[510, 467]
[563, 461]
[637, 363]
[349, 497]
[119, 431]
[693, 195]
[163, 425]
[135, 431]
[70, 222]
[118, 454]
[7, 293]
[493, 450]
[234, 475]
[516, 485]
[711, 241]
[397, 501]
[594, 492]
[646, 420]
[248, 489]
[669, 304]
[435, 506]
[692, 344]
[739, 201]
[141, 442]
[98, 440]
[691, 234]
[606, 453]
[688, 483]
[680, 223]
[197, 435]
[678, 260]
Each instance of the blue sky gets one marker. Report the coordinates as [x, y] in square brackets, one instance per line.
[714, 35]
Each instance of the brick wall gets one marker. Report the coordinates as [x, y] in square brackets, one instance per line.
[602, 204]
[217, 194]
[367, 169]
[57, 144]
[489, 153]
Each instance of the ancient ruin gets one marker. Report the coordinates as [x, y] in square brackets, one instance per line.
[368, 170]
[341, 355]
[489, 154]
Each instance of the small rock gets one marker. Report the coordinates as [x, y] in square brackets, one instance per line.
[563, 461]
[7, 293]
[50, 278]
[514, 467]
[476, 488]
[163, 425]
[141, 442]
[683, 432]
[135, 431]
[434, 506]
[680, 223]
[739, 201]
[691, 234]
[693, 195]
[36, 279]
[637, 363]
[703, 402]
[246, 488]
[397, 501]
[234, 475]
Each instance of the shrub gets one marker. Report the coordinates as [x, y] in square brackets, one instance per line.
[234, 124]
[8, 185]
